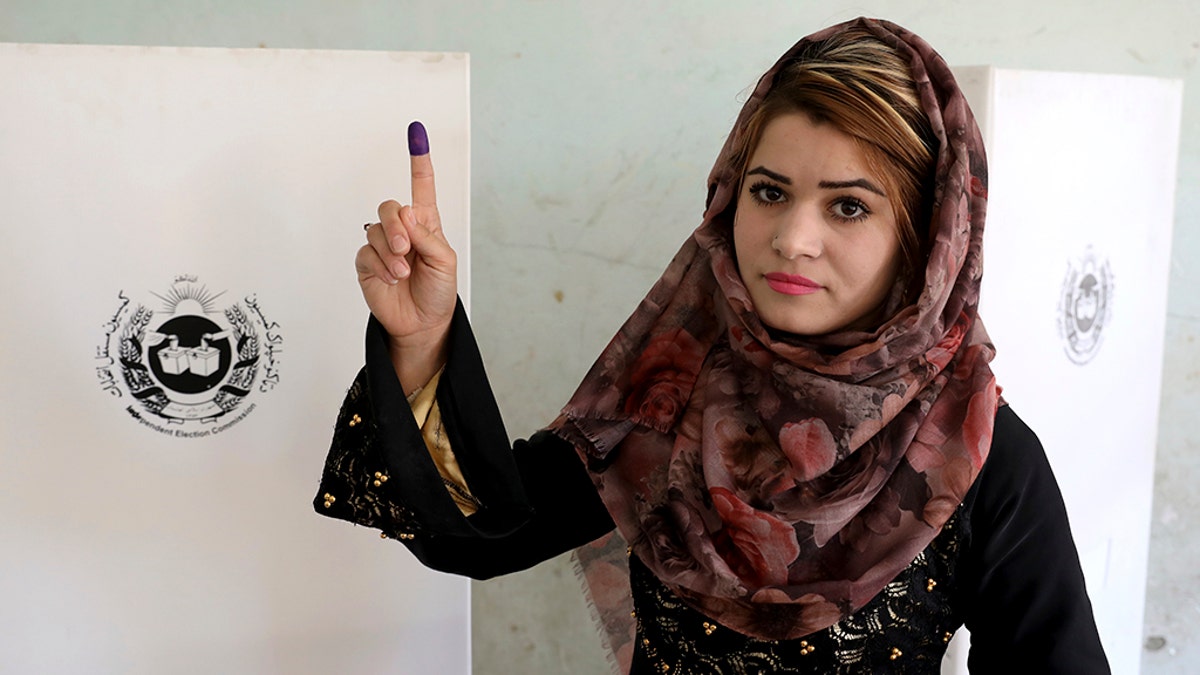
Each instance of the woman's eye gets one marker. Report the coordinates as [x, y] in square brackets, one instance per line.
[768, 194]
[850, 209]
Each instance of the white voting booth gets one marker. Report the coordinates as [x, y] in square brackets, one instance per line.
[1077, 246]
[181, 320]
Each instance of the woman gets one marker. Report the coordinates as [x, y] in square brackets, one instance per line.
[796, 434]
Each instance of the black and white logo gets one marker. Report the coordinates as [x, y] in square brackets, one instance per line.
[192, 361]
[1085, 306]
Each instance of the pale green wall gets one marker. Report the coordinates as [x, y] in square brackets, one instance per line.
[594, 124]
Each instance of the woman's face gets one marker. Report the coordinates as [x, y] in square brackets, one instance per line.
[815, 235]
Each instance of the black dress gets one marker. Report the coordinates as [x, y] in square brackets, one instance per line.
[1005, 565]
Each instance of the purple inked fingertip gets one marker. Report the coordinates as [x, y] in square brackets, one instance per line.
[418, 140]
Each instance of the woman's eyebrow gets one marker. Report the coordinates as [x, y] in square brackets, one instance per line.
[859, 183]
[825, 184]
[769, 174]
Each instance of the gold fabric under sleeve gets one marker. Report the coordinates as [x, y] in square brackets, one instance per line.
[429, 418]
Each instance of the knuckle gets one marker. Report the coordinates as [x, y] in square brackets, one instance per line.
[364, 254]
[388, 210]
[362, 261]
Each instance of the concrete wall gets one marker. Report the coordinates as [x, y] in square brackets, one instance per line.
[594, 125]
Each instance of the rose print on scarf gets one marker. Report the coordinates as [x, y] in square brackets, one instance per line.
[757, 546]
[954, 479]
[753, 464]
[926, 450]
[889, 408]
[813, 609]
[736, 379]
[881, 516]
[809, 447]
[666, 531]
[674, 539]
[977, 427]
[663, 377]
[941, 353]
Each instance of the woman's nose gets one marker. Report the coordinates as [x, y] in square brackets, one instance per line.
[799, 235]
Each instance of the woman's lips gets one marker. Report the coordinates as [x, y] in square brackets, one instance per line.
[791, 284]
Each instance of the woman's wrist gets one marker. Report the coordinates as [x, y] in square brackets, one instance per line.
[417, 359]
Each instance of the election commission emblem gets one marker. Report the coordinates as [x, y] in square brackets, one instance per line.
[189, 359]
[1085, 306]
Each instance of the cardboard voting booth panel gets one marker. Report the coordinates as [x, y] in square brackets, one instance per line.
[181, 321]
[1080, 210]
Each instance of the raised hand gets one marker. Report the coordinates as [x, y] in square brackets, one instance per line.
[408, 272]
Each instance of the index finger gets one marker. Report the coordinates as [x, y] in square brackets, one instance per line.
[423, 193]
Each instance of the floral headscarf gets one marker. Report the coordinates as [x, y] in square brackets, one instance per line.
[777, 483]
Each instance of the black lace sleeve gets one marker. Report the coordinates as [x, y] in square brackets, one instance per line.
[535, 498]
[1027, 607]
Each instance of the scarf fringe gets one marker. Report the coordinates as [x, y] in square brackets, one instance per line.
[612, 552]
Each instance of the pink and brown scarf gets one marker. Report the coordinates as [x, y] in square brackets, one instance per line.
[777, 483]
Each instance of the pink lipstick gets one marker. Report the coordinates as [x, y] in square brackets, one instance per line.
[791, 284]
